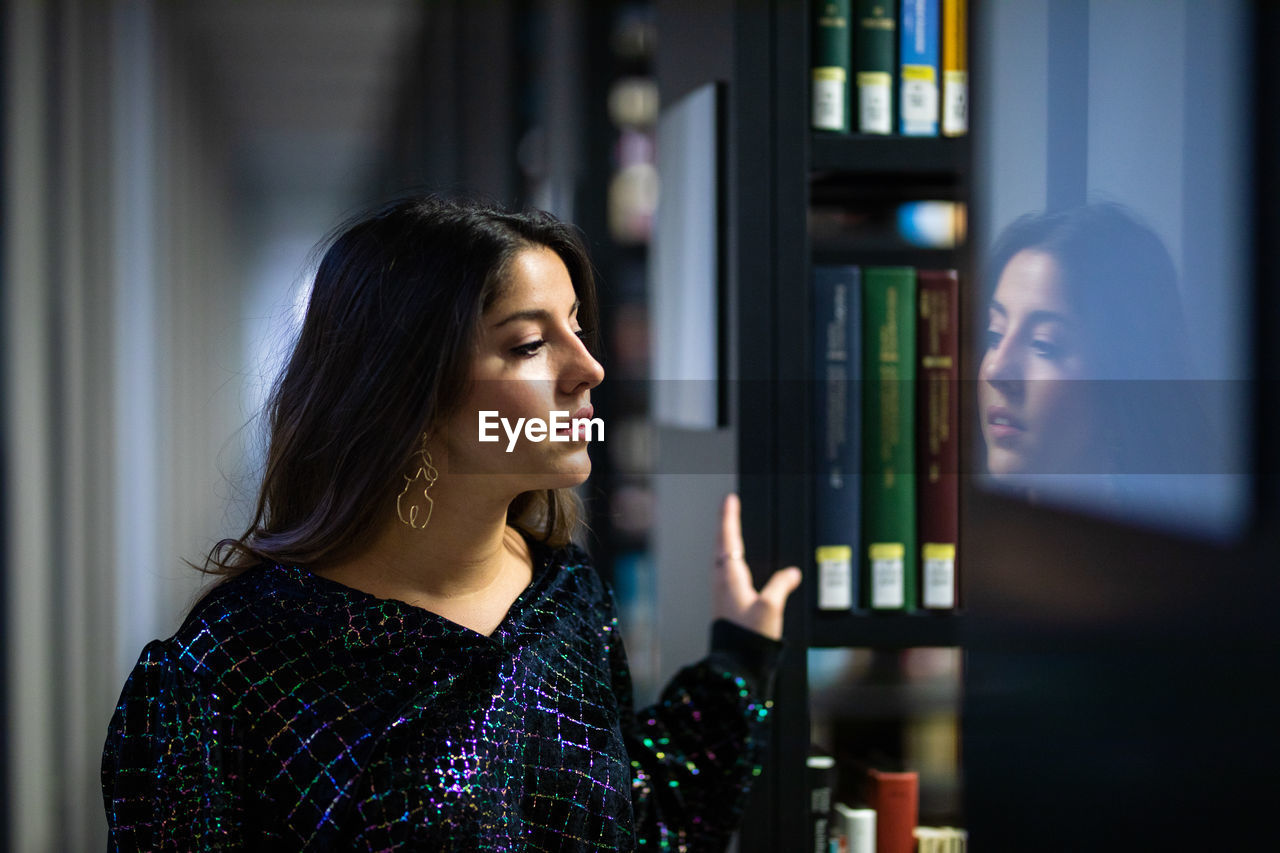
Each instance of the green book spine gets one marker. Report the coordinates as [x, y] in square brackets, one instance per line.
[832, 48]
[874, 63]
[889, 562]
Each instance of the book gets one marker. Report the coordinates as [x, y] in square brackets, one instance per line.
[821, 772]
[858, 826]
[918, 68]
[837, 294]
[832, 50]
[955, 67]
[937, 438]
[888, 429]
[874, 48]
[930, 840]
[941, 839]
[896, 800]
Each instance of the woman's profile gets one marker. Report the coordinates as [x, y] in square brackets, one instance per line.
[406, 649]
[1084, 381]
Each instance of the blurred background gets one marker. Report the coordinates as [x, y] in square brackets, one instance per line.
[168, 167]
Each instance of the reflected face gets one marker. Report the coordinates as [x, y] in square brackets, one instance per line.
[1036, 416]
[530, 360]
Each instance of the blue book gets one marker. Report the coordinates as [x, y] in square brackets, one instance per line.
[918, 70]
[837, 355]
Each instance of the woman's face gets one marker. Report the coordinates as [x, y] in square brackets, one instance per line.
[530, 360]
[1035, 411]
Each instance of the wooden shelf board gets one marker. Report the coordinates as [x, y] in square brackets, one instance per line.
[887, 155]
[921, 629]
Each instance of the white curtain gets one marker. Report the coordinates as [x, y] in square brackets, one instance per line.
[122, 352]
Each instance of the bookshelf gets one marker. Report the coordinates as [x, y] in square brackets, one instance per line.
[777, 172]
[1113, 675]
[857, 172]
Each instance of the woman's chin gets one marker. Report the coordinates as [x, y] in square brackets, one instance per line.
[1001, 463]
[572, 470]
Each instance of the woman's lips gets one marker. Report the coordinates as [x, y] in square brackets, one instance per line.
[1002, 424]
[585, 413]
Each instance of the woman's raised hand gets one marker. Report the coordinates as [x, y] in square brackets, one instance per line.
[735, 597]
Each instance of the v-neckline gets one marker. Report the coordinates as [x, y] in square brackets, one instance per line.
[507, 627]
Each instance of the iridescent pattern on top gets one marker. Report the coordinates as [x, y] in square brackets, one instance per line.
[295, 712]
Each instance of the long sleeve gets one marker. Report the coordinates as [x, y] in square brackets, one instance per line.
[695, 753]
[171, 769]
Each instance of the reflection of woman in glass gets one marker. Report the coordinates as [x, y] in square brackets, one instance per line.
[1085, 347]
[407, 651]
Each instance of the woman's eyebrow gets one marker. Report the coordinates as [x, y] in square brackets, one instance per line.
[1040, 315]
[540, 314]
[1046, 316]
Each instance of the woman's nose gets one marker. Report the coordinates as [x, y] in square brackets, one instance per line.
[594, 370]
[1001, 364]
[582, 369]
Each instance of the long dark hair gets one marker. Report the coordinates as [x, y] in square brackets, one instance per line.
[384, 354]
[1115, 270]
[1121, 281]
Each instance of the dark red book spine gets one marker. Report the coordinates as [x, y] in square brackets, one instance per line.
[937, 440]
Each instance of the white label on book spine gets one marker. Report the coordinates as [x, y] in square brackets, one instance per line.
[875, 102]
[939, 575]
[829, 109]
[835, 577]
[919, 100]
[888, 576]
[955, 103]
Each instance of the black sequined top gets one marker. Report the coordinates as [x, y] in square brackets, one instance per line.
[291, 712]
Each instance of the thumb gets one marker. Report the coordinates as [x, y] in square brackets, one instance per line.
[781, 585]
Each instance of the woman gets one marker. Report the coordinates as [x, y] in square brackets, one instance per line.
[407, 650]
[1083, 383]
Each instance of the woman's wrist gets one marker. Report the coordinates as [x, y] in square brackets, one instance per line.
[751, 652]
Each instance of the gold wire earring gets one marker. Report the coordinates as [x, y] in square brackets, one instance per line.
[427, 472]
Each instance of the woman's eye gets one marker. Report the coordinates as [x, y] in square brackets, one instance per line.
[582, 335]
[1046, 349]
[993, 338]
[528, 350]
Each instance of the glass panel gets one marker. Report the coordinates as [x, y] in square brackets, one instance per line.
[1113, 220]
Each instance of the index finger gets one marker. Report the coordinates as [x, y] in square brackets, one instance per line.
[731, 527]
